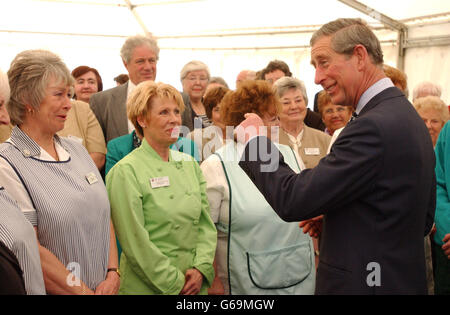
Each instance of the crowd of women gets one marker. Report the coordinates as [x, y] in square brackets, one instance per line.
[178, 213]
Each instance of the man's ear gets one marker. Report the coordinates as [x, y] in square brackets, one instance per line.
[360, 52]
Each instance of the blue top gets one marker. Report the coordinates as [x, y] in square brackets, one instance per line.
[442, 214]
[121, 146]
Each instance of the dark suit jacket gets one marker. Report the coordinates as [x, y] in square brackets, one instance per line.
[314, 120]
[377, 189]
[111, 111]
[11, 275]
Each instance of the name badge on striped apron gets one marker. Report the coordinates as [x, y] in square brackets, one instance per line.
[91, 178]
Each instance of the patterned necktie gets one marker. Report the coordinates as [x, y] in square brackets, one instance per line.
[354, 116]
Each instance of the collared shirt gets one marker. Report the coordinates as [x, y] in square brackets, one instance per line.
[375, 89]
[14, 184]
[131, 87]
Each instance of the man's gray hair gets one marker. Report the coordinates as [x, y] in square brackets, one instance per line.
[346, 34]
[29, 75]
[193, 65]
[136, 41]
[4, 86]
[425, 89]
[286, 83]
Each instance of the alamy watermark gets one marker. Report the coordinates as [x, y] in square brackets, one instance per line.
[374, 277]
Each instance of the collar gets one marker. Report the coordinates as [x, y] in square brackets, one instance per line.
[30, 148]
[296, 140]
[130, 89]
[375, 89]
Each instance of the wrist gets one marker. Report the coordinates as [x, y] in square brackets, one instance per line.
[112, 271]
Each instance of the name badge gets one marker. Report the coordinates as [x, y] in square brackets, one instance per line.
[312, 151]
[91, 178]
[160, 182]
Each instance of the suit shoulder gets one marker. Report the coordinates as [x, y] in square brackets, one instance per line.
[108, 93]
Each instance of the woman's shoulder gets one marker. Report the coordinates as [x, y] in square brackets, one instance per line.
[315, 133]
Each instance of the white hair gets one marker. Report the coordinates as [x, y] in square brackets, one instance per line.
[426, 88]
[4, 86]
[193, 65]
[136, 41]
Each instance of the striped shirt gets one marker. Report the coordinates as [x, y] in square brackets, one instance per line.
[69, 203]
[20, 238]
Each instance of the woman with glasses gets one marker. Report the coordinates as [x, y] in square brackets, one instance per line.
[194, 78]
[333, 116]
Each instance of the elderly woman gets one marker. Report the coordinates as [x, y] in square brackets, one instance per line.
[87, 82]
[55, 182]
[310, 144]
[211, 138]
[16, 233]
[257, 253]
[194, 78]
[434, 113]
[333, 116]
[159, 205]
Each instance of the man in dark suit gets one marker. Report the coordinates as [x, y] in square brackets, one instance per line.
[139, 56]
[376, 188]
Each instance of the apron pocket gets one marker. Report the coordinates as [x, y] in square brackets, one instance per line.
[281, 268]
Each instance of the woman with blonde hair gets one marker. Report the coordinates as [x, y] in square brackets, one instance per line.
[159, 205]
[434, 113]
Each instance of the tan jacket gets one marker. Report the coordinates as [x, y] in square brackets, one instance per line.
[313, 147]
[82, 125]
[5, 132]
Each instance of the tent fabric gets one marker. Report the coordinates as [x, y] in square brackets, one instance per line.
[227, 35]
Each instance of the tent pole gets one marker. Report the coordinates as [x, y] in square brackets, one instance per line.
[132, 8]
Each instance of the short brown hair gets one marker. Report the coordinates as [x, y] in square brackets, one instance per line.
[276, 65]
[139, 103]
[79, 71]
[251, 97]
[323, 99]
[396, 76]
[122, 78]
[212, 98]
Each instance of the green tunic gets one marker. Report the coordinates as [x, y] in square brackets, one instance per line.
[164, 230]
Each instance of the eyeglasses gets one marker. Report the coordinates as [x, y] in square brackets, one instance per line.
[194, 79]
[338, 110]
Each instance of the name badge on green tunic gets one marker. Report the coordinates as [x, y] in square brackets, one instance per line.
[157, 182]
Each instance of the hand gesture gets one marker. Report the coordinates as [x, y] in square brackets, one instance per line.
[312, 226]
